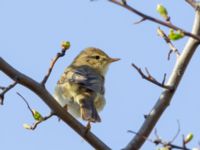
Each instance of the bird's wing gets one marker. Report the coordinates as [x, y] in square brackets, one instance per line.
[87, 78]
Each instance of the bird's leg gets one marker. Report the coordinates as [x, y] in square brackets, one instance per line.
[66, 107]
[88, 127]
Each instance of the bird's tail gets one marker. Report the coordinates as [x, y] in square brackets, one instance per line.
[89, 112]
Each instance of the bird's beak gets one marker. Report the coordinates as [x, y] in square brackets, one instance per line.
[114, 60]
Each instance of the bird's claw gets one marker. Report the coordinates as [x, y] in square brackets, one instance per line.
[88, 127]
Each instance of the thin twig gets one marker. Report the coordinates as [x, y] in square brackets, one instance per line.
[146, 138]
[27, 104]
[60, 54]
[36, 123]
[2, 87]
[164, 78]
[152, 19]
[141, 20]
[178, 147]
[177, 133]
[5, 90]
[158, 141]
[162, 34]
[151, 79]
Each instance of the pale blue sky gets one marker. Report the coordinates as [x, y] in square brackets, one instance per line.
[30, 36]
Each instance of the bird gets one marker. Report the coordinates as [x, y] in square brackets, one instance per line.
[80, 89]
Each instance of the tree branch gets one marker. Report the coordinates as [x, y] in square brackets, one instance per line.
[146, 17]
[151, 79]
[27, 104]
[166, 144]
[166, 96]
[141, 20]
[37, 122]
[177, 133]
[193, 3]
[168, 41]
[39, 119]
[2, 87]
[60, 54]
[5, 90]
[39, 90]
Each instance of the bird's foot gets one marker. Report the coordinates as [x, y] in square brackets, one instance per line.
[88, 127]
[66, 107]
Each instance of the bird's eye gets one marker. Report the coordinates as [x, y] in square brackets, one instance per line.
[97, 57]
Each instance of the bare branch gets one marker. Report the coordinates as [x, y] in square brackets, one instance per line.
[177, 133]
[170, 145]
[152, 19]
[60, 54]
[5, 90]
[36, 123]
[162, 34]
[141, 20]
[146, 138]
[174, 80]
[27, 104]
[164, 78]
[178, 147]
[193, 3]
[158, 141]
[151, 79]
[39, 90]
[2, 87]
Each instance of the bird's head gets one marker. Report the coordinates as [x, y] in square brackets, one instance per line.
[94, 58]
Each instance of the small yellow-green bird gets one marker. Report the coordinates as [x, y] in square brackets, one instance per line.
[81, 87]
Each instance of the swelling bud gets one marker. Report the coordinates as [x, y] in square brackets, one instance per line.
[162, 11]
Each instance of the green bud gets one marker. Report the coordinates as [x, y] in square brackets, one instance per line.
[188, 138]
[162, 11]
[36, 115]
[175, 35]
[65, 45]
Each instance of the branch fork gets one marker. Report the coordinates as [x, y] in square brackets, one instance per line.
[5, 90]
[151, 79]
[162, 34]
[155, 20]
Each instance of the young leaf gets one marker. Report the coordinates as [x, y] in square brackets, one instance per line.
[36, 115]
[162, 11]
[175, 35]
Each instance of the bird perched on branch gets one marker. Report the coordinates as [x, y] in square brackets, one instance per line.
[81, 87]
